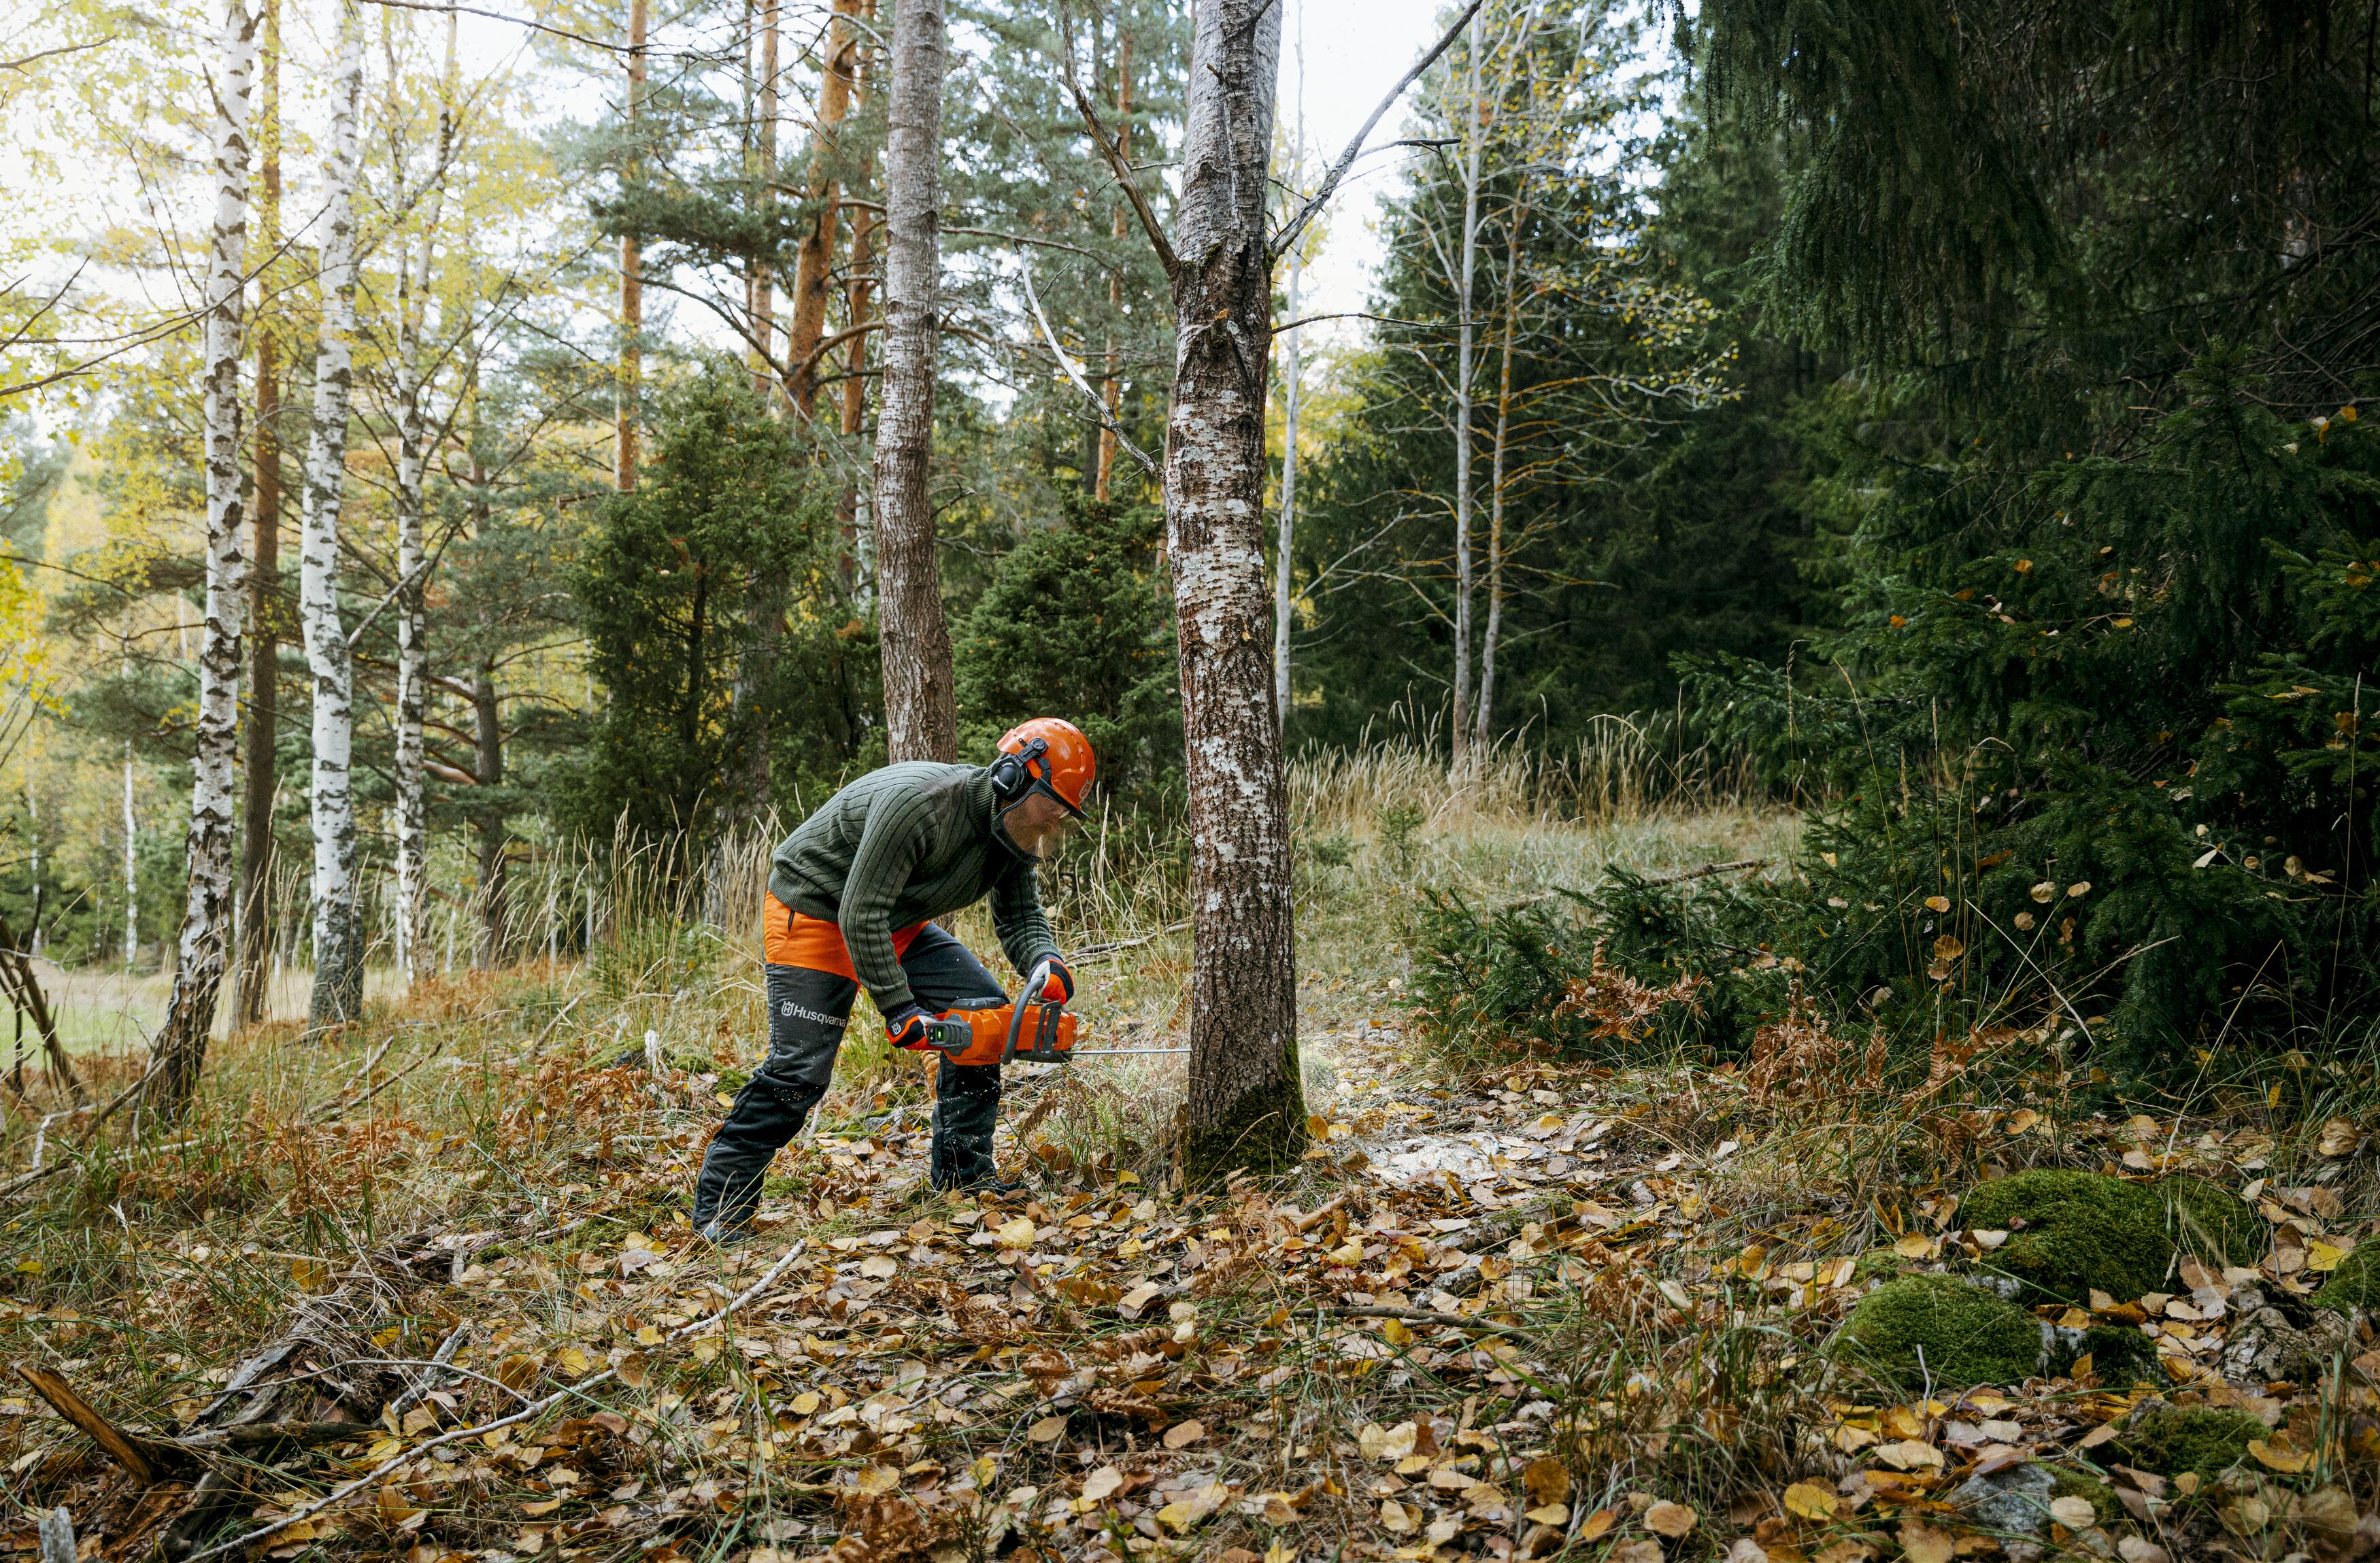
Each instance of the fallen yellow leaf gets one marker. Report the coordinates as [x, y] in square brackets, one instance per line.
[1809, 1500]
[1182, 1435]
[2322, 1256]
[1047, 1430]
[2074, 1513]
[1921, 1543]
[1594, 1526]
[1671, 1519]
[2288, 1462]
[1909, 1454]
[1548, 1480]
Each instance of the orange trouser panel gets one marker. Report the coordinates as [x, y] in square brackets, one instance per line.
[797, 939]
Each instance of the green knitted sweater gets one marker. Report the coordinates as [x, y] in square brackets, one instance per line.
[901, 845]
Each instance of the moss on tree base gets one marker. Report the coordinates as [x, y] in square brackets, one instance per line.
[2069, 1232]
[1263, 1132]
[1941, 1328]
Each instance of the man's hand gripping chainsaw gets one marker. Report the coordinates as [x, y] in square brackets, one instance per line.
[1032, 1030]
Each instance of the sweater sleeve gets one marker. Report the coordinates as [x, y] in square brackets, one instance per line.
[891, 844]
[1017, 918]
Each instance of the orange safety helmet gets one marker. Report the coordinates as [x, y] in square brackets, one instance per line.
[1045, 755]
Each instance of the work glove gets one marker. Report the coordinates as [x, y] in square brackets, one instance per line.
[905, 1027]
[1060, 982]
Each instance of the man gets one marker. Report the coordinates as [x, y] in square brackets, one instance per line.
[851, 898]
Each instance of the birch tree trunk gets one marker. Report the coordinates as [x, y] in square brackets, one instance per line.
[1473, 113]
[1244, 1106]
[338, 946]
[249, 992]
[412, 561]
[1482, 725]
[1288, 386]
[628, 391]
[1111, 387]
[920, 703]
[495, 899]
[179, 1051]
[858, 293]
[764, 283]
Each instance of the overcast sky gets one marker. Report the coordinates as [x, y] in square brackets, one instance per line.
[1355, 50]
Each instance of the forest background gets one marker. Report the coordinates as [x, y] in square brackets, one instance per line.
[1993, 492]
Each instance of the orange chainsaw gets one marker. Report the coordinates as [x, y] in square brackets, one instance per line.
[1028, 1030]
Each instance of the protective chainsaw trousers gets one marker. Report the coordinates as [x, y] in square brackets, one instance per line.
[807, 1011]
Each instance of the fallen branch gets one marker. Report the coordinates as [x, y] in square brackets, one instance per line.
[1425, 1315]
[1707, 870]
[137, 1454]
[1094, 951]
[527, 1414]
[338, 1098]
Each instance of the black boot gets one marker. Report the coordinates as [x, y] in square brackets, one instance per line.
[966, 1108]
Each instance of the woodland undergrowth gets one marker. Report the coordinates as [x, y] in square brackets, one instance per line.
[1534, 1293]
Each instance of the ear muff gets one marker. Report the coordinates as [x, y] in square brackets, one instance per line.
[1012, 775]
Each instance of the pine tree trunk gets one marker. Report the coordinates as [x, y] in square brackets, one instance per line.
[920, 704]
[814, 265]
[1461, 726]
[251, 990]
[179, 1051]
[1246, 1107]
[338, 945]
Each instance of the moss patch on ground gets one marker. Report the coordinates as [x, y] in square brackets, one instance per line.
[1880, 1263]
[2070, 1231]
[2209, 1221]
[2091, 1490]
[2355, 1284]
[2119, 1358]
[2172, 1439]
[1939, 1328]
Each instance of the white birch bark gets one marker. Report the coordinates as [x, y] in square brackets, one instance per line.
[178, 1053]
[1290, 366]
[413, 314]
[1474, 115]
[339, 954]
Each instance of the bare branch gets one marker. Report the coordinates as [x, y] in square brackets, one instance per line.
[1113, 153]
[1106, 420]
[1296, 225]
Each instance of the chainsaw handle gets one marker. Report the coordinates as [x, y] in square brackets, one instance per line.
[1036, 982]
